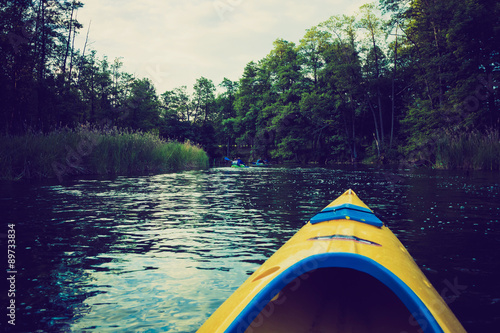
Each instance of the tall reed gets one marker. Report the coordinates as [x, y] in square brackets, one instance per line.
[473, 150]
[93, 151]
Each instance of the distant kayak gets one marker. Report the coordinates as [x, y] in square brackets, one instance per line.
[260, 165]
[236, 163]
[238, 166]
[344, 271]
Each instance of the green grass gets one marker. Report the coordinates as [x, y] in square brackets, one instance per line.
[89, 151]
[474, 151]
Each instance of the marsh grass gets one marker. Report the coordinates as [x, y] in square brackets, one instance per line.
[472, 151]
[91, 151]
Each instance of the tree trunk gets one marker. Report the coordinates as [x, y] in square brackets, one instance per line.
[83, 55]
[68, 42]
[41, 65]
[379, 99]
[72, 52]
[440, 70]
[393, 106]
[377, 136]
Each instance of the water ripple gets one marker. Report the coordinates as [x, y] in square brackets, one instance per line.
[161, 253]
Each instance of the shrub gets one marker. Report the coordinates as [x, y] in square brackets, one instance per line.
[92, 151]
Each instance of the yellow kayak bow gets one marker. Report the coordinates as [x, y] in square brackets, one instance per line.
[344, 271]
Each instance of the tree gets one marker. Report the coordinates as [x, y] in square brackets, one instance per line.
[453, 50]
[310, 51]
[247, 102]
[283, 66]
[35, 51]
[375, 65]
[144, 106]
[342, 75]
[203, 99]
[226, 113]
[18, 106]
[71, 8]
[280, 114]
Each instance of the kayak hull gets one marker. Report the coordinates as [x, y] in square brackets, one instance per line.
[340, 275]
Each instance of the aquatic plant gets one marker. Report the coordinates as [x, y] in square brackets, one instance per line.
[88, 150]
[472, 150]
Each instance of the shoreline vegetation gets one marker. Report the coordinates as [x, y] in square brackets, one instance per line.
[87, 150]
[397, 84]
[469, 151]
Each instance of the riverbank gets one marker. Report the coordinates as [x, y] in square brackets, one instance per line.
[469, 151]
[91, 151]
[479, 151]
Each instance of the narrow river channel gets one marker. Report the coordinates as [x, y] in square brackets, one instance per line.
[161, 253]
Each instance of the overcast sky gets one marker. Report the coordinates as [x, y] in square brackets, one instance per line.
[174, 42]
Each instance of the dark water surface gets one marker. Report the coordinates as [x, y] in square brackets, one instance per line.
[161, 253]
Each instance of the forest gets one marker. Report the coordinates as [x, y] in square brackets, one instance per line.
[411, 81]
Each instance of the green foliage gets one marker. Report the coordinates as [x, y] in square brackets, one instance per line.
[90, 151]
[353, 88]
[473, 150]
[143, 106]
[204, 99]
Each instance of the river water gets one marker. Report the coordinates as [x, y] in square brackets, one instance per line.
[161, 253]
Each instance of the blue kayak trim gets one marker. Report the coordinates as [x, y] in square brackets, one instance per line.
[354, 261]
[347, 212]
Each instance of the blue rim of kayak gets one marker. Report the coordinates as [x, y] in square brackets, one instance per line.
[341, 260]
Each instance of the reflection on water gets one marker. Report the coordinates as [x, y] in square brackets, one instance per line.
[161, 253]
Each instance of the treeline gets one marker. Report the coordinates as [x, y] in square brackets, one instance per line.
[361, 87]
[396, 81]
[46, 84]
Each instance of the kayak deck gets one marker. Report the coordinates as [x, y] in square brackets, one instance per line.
[344, 271]
[335, 300]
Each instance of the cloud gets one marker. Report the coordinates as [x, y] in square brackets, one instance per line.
[174, 42]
